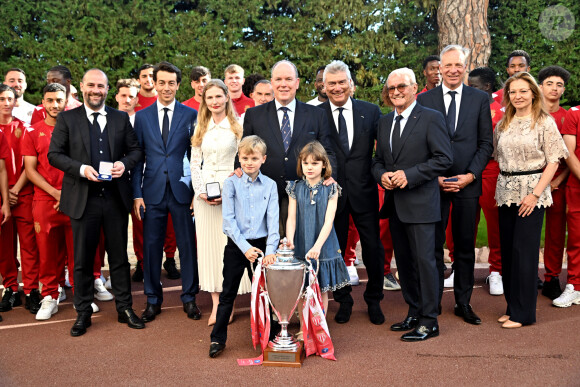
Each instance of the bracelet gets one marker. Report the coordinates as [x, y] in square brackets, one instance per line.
[537, 196]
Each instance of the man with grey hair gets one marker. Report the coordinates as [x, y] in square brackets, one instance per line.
[468, 119]
[413, 149]
[353, 130]
[286, 125]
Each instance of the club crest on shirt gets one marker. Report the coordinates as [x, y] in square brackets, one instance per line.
[18, 132]
[41, 134]
[37, 227]
[492, 114]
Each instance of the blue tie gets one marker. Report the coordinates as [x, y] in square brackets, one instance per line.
[451, 112]
[342, 131]
[285, 129]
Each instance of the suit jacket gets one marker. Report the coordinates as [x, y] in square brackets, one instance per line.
[163, 163]
[472, 142]
[70, 147]
[425, 153]
[354, 168]
[310, 124]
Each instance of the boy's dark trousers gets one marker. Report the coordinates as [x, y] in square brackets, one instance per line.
[234, 264]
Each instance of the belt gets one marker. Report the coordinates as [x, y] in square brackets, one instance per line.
[521, 173]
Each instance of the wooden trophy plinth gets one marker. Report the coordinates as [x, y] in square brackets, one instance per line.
[274, 358]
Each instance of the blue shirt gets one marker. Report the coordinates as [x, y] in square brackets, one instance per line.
[250, 211]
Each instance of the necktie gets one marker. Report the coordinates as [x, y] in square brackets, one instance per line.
[96, 123]
[285, 129]
[396, 137]
[451, 112]
[165, 126]
[342, 131]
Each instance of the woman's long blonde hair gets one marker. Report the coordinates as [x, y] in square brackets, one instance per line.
[204, 115]
[539, 112]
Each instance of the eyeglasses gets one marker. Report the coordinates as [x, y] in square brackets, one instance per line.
[521, 92]
[400, 88]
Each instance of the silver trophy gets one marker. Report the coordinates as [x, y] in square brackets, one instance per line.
[284, 284]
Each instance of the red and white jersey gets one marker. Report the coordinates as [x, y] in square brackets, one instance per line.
[4, 149]
[242, 104]
[39, 113]
[572, 127]
[498, 96]
[144, 102]
[14, 132]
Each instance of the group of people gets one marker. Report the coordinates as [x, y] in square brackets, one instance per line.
[223, 176]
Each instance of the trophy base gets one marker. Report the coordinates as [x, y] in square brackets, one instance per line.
[274, 358]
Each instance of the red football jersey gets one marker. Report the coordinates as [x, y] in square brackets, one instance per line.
[192, 103]
[572, 127]
[144, 102]
[242, 104]
[14, 131]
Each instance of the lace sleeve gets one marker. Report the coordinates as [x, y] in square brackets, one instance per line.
[335, 189]
[195, 165]
[495, 140]
[291, 188]
[554, 147]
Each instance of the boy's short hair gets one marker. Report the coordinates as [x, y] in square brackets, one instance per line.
[252, 144]
[234, 68]
[553, 71]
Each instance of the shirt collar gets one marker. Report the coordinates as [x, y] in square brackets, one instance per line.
[291, 106]
[346, 106]
[247, 178]
[224, 124]
[407, 112]
[89, 112]
[459, 90]
[160, 106]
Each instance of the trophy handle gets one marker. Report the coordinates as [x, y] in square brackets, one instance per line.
[309, 261]
[260, 257]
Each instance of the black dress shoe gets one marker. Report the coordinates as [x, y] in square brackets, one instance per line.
[171, 269]
[552, 288]
[151, 310]
[344, 312]
[540, 283]
[129, 317]
[80, 326]
[192, 311]
[376, 314]
[421, 333]
[406, 325]
[215, 349]
[468, 314]
[138, 274]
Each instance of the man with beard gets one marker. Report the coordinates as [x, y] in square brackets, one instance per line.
[126, 97]
[147, 93]
[85, 140]
[16, 79]
[319, 85]
[62, 75]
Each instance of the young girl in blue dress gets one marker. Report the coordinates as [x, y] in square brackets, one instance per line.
[311, 209]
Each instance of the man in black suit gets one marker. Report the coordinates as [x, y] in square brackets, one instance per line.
[468, 119]
[286, 125]
[413, 149]
[83, 141]
[353, 130]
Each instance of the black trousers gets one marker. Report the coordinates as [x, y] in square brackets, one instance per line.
[235, 262]
[463, 219]
[108, 213]
[414, 245]
[520, 253]
[373, 253]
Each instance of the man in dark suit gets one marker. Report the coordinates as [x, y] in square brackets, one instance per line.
[286, 125]
[163, 186]
[413, 149]
[83, 141]
[468, 119]
[353, 130]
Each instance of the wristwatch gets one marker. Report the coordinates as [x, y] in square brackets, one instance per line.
[473, 174]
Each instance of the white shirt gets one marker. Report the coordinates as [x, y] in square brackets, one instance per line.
[132, 120]
[24, 111]
[447, 100]
[292, 110]
[348, 117]
[161, 113]
[405, 114]
[101, 119]
[315, 101]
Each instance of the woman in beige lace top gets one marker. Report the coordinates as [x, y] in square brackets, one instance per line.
[527, 146]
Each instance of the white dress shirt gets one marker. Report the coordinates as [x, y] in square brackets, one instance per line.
[348, 117]
[101, 119]
[447, 100]
[161, 113]
[292, 110]
[405, 114]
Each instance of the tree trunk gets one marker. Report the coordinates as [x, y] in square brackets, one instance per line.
[464, 22]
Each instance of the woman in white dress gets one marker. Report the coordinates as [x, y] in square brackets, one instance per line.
[213, 151]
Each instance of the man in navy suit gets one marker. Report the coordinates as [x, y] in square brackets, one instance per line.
[286, 125]
[413, 149]
[468, 119]
[353, 130]
[163, 186]
[82, 141]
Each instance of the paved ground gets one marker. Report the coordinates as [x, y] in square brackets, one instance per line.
[172, 350]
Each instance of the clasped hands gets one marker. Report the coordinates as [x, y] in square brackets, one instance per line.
[455, 186]
[392, 180]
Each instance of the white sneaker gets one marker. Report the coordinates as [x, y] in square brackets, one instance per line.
[101, 293]
[495, 284]
[448, 283]
[108, 285]
[568, 297]
[48, 307]
[61, 294]
[93, 305]
[66, 278]
[356, 261]
[354, 280]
